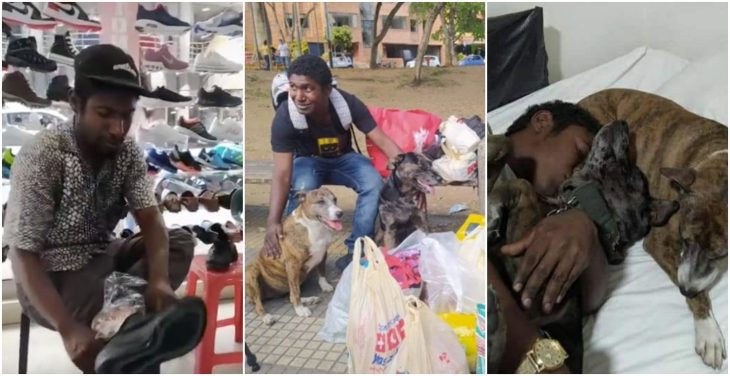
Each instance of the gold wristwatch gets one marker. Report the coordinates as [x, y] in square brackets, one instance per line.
[546, 354]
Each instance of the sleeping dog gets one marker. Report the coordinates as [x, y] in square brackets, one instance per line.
[307, 234]
[514, 208]
[401, 206]
[684, 156]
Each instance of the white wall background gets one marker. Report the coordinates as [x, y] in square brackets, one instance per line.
[580, 36]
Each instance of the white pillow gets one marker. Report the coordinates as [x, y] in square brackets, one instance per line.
[701, 87]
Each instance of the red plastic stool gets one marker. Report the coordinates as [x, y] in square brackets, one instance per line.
[213, 284]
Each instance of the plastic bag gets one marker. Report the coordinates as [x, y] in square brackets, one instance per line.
[450, 283]
[456, 167]
[334, 329]
[122, 298]
[376, 324]
[431, 343]
[464, 326]
[405, 128]
[460, 139]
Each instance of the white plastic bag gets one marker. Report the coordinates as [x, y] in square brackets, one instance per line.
[439, 347]
[376, 324]
[122, 298]
[334, 329]
[456, 167]
[451, 284]
[460, 139]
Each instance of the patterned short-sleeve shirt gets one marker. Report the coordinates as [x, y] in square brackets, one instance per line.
[59, 209]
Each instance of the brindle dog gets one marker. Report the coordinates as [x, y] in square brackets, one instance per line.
[403, 198]
[514, 209]
[684, 157]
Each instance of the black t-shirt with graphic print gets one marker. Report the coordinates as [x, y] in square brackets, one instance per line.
[326, 140]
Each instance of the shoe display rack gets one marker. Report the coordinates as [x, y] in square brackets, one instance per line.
[193, 134]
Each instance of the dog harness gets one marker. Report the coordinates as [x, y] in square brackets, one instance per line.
[590, 200]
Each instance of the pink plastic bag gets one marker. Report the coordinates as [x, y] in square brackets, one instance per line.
[401, 126]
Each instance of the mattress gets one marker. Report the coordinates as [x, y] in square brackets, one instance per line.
[645, 325]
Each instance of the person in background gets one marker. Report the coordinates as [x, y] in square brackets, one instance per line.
[283, 53]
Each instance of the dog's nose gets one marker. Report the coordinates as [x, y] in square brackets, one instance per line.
[339, 214]
[690, 293]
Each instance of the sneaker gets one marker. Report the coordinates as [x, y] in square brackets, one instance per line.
[162, 58]
[209, 160]
[58, 89]
[63, 50]
[223, 253]
[22, 53]
[194, 129]
[160, 160]
[227, 129]
[159, 21]
[214, 58]
[8, 157]
[217, 98]
[162, 97]
[34, 122]
[160, 134]
[184, 161]
[26, 14]
[231, 154]
[16, 88]
[72, 15]
[228, 22]
[14, 136]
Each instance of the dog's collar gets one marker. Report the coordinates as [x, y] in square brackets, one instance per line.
[588, 197]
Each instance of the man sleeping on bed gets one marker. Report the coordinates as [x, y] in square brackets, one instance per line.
[547, 143]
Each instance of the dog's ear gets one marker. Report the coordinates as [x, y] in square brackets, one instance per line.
[681, 178]
[395, 161]
[661, 211]
[300, 196]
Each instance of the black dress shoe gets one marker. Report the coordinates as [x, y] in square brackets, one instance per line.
[58, 89]
[146, 341]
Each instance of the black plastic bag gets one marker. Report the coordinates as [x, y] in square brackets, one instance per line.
[516, 56]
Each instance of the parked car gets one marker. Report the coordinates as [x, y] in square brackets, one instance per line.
[428, 61]
[472, 60]
[340, 60]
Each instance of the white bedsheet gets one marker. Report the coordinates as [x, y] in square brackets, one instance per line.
[645, 325]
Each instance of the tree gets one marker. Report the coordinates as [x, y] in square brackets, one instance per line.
[458, 19]
[427, 12]
[341, 38]
[379, 37]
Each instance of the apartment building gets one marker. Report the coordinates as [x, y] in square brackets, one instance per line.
[276, 20]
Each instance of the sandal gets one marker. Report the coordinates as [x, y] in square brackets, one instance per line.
[234, 231]
[170, 201]
[209, 201]
[189, 201]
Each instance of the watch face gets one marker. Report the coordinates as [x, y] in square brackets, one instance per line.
[550, 352]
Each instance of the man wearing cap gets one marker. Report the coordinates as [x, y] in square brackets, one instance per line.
[70, 187]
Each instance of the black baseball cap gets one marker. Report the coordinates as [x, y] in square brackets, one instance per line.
[109, 64]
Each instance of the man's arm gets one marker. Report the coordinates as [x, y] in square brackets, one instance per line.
[384, 143]
[280, 184]
[156, 242]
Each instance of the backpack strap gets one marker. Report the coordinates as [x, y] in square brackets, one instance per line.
[338, 102]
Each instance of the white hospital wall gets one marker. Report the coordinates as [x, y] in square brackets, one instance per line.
[579, 36]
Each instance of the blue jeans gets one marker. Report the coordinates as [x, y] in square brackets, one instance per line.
[353, 170]
[285, 61]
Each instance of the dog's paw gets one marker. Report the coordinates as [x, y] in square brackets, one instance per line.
[310, 300]
[324, 285]
[709, 342]
[269, 319]
[302, 311]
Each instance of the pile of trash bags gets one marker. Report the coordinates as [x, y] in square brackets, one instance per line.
[414, 308]
[459, 138]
